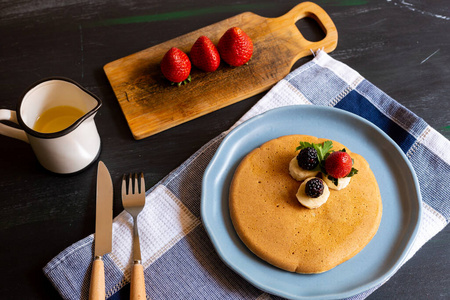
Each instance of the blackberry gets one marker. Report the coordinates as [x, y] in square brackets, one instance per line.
[314, 188]
[307, 158]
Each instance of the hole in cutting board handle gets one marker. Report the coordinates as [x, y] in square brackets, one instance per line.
[310, 29]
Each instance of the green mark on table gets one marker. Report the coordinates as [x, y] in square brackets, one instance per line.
[181, 14]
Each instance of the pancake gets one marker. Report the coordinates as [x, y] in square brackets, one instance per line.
[277, 228]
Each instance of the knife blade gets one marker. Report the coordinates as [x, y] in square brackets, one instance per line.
[103, 231]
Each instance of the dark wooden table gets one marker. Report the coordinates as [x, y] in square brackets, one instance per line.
[403, 47]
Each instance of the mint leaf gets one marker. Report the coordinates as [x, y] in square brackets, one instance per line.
[323, 150]
[304, 145]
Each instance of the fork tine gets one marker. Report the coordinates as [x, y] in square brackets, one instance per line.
[130, 185]
[124, 186]
[142, 183]
[136, 184]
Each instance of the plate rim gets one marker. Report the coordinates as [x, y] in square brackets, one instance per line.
[279, 110]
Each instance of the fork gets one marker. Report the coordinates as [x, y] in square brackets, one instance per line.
[134, 201]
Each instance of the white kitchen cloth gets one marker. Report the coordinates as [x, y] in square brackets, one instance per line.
[179, 260]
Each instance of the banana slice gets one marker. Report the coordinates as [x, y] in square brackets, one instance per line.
[309, 202]
[342, 182]
[299, 173]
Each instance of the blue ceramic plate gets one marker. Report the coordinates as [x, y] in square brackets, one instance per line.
[396, 178]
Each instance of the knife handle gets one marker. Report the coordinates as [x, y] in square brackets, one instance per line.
[137, 285]
[97, 289]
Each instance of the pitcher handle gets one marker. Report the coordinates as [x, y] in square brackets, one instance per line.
[10, 115]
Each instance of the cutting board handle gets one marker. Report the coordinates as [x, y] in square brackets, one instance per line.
[315, 12]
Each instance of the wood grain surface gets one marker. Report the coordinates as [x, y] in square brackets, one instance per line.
[151, 104]
[401, 46]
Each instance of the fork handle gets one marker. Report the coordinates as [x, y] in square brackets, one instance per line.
[97, 288]
[137, 288]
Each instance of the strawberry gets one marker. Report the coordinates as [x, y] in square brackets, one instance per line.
[204, 55]
[338, 164]
[235, 47]
[176, 66]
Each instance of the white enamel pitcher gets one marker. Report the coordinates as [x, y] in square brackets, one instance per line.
[66, 151]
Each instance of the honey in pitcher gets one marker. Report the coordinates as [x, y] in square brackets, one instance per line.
[57, 118]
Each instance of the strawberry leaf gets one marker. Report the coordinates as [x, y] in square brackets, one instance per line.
[186, 81]
[352, 172]
[333, 180]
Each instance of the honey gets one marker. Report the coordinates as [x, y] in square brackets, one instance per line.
[57, 118]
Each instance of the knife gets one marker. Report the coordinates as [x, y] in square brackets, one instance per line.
[103, 231]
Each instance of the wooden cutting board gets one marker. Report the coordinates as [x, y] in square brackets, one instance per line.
[151, 104]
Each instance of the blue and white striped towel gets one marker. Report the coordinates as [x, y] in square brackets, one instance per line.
[179, 259]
